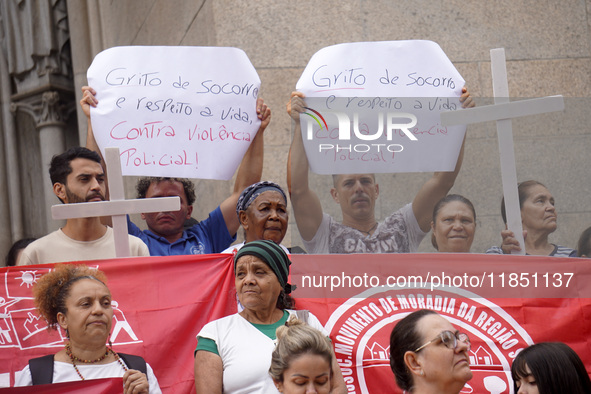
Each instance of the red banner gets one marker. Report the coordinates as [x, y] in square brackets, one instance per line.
[494, 299]
[103, 386]
[160, 304]
[503, 302]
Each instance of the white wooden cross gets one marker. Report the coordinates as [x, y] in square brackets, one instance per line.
[118, 207]
[502, 111]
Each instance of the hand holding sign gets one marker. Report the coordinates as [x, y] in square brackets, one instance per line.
[171, 110]
[374, 107]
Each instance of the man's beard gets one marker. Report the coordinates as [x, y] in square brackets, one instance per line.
[73, 198]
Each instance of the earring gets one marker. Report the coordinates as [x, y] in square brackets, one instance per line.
[422, 373]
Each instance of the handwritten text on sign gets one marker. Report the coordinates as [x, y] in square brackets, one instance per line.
[373, 107]
[172, 111]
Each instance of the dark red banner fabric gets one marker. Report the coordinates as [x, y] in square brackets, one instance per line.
[103, 386]
[361, 297]
[160, 304]
[504, 303]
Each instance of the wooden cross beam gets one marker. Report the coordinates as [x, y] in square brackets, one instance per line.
[118, 207]
[502, 111]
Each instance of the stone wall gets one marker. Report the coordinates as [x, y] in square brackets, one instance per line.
[547, 47]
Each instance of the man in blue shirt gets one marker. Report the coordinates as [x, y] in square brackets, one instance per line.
[166, 234]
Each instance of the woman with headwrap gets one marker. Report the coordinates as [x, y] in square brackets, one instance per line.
[234, 353]
[262, 212]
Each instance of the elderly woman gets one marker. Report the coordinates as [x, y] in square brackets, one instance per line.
[262, 212]
[233, 353]
[301, 361]
[428, 355]
[76, 299]
[549, 368]
[538, 217]
[453, 224]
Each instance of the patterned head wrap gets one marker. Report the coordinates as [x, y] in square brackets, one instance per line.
[253, 191]
[271, 254]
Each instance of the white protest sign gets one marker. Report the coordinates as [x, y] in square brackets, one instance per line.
[374, 107]
[173, 111]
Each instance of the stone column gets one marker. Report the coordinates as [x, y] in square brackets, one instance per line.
[52, 141]
[48, 114]
[36, 44]
[9, 196]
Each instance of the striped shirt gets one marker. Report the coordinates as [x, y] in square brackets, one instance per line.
[559, 251]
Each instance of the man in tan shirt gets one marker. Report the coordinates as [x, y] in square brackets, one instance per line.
[77, 176]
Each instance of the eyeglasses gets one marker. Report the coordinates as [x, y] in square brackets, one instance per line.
[449, 339]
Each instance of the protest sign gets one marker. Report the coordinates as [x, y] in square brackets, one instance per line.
[374, 107]
[173, 111]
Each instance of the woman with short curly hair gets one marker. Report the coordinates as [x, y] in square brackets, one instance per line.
[76, 299]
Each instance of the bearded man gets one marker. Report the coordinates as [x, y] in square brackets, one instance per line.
[77, 176]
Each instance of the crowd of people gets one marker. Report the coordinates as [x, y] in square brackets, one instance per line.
[261, 209]
[286, 350]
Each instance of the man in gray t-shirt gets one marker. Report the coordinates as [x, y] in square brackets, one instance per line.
[359, 232]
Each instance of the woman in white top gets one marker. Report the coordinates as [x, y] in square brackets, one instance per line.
[233, 353]
[75, 298]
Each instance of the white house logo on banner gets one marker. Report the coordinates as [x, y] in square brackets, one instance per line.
[361, 327]
[21, 327]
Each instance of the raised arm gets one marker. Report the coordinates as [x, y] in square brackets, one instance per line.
[89, 100]
[306, 205]
[440, 183]
[250, 170]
